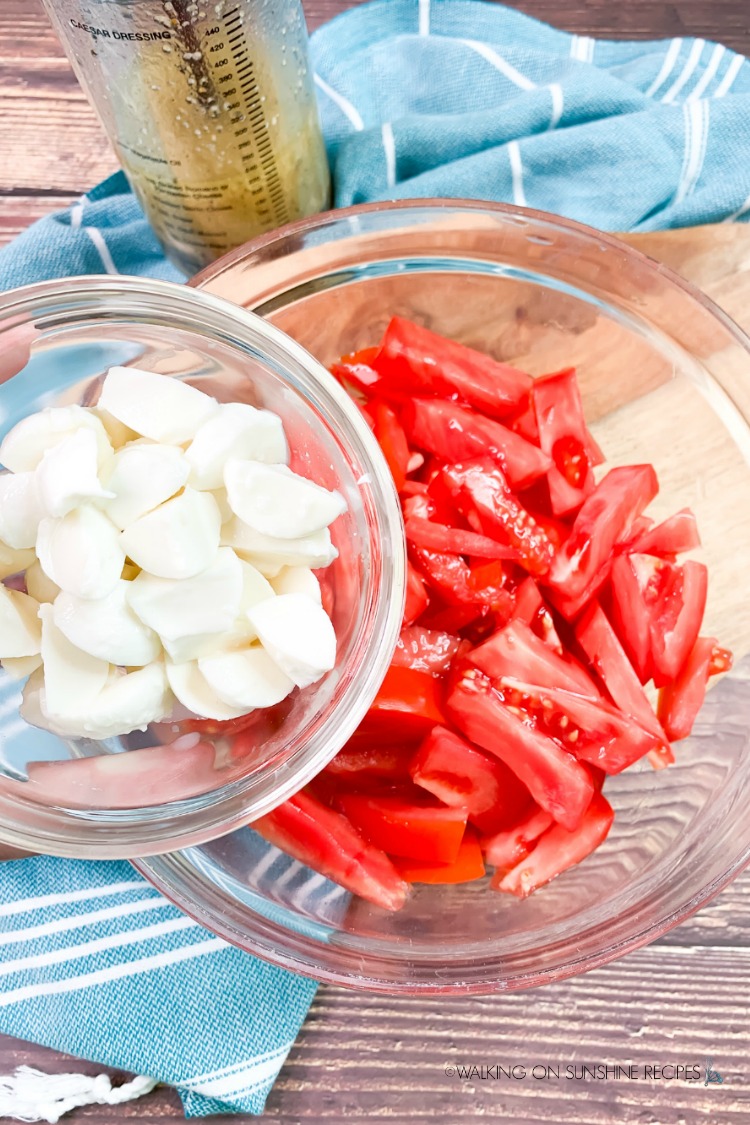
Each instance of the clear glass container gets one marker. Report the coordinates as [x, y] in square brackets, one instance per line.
[666, 379]
[211, 109]
[117, 798]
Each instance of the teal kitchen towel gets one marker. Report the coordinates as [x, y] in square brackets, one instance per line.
[418, 98]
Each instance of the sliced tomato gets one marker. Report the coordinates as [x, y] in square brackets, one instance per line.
[528, 601]
[326, 841]
[630, 615]
[606, 514]
[557, 850]
[564, 436]
[466, 867]
[362, 759]
[455, 540]
[721, 661]
[481, 492]
[517, 652]
[508, 847]
[454, 433]
[680, 702]
[676, 618]
[591, 729]
[411, 357]
[418, 831]
[361, 376]
[417, 598]
[407, 705]
[392, 440]
[675, 535]
[609, 660]
[556, 781]
[458, 584]
[461, 776]
[426, 650]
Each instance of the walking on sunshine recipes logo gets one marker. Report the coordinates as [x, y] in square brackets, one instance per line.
[588, 1072]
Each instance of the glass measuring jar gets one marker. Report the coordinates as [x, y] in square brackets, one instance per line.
[211, 109]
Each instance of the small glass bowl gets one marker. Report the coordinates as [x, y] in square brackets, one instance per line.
[666, 379]
[56, 341]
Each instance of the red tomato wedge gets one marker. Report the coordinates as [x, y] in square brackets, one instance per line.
[676, 618]
[517, 652]
[413, 358]
[609, 660]
[455, 434]
[455, 540]
[507, 848]
[675, 535]
[458, 584]
[432, 832]
[417, 598]
[592, 729]
[680, 701]
[406, 706]
[556, 781]
[606, 514]
[630, 614]
[564, 436]
[466, 867]
[325, 840]
[557, 850]
[392, 440]
[461, 776]
[483, 495]
[362, 759]
[426, 650]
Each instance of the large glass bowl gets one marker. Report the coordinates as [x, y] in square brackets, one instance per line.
[666, 379]
[56, 341]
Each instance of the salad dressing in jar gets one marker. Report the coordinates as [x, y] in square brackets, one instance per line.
[211, 109]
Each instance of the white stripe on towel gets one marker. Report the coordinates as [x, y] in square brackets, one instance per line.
[77, 921]
[99, 945]
[713, 65]
[733, 70]
[23, 905]
[696, 116]
[424, 17]
[666, 67]
[692, 61]
[389, 148]
[516, 168]
[234, 1068]
[500, 64]
[743, 210]
[254, 1073]
[96, 236]
[114, 972]
[343, 103]
[582, 48]
[556, 93]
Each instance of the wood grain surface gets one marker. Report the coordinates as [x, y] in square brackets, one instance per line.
[682, 1000]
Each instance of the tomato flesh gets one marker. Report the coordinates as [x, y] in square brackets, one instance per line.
[417, 598]
[676, 618]
[563, 435]
[461, 776]
[432, 832]
[680, 701]
[406, 706]
[413, 357]
[323, 839]
[557, 849]
[508, 847]
[426, 650]
[466, 867]
[392, 440]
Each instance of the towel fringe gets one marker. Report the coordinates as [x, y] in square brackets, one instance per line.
[30, 1095]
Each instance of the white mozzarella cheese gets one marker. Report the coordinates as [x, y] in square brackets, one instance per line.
[275, 501]
[21, 509]
[178, 539]
[236, 431]
[143, 476]
[297, 580]
[297, 634]
[67, 475]
[194, 692]
[248, 678]
[107, 628]
[270, 555]
[20, 628]
[159, 407]
[81, 552]
[24, 446]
